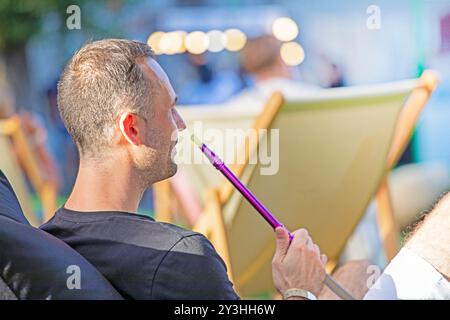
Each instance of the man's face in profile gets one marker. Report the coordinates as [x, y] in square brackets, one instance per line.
[162, 124]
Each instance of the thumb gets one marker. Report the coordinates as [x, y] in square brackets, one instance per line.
[282, 242]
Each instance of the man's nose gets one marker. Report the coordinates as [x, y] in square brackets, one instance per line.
[181, 125]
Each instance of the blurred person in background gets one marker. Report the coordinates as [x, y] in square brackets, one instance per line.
[261, 59]
[328, 73]
[336, 77]
[212, 86]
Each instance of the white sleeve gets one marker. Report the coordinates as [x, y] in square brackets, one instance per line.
[409, 277]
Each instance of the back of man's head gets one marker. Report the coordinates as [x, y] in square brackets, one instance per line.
[260, 53]
[99, 82]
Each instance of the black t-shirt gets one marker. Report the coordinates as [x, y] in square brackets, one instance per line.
[143, 258]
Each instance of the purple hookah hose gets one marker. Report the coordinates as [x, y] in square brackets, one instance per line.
[265, 213]
[220, 165]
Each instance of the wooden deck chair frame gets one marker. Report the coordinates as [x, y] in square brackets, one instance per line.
[46, 190]
[211, 222]
[408, 117]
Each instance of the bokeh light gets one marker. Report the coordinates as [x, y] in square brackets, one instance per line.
[172, 42]
[183, 35]
[217, 40]
[285, 29]
[196, 42]
[235, 39]
[153, 41]
[292, 53]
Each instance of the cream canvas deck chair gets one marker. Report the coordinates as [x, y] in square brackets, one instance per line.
[11, 133]
[333, 151]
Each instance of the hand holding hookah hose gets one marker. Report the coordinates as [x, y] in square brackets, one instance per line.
[265, 213]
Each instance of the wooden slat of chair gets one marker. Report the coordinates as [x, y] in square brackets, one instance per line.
[162, 198]
[263, 121]
[170, 198]
[407, 120]
[46, 190]
[386, 221]
[48, 194]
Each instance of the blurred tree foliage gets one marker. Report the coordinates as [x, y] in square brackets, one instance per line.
[20, 20]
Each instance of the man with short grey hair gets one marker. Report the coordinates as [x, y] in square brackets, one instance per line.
[119, 107]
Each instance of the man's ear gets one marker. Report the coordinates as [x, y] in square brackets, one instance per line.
[128, 125]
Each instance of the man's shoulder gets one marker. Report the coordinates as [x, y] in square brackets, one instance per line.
[168, 233]
[176, 231]
[179, 263]
[199, 271]
[130, 229]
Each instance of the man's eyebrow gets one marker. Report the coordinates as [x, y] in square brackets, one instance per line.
[175, 101]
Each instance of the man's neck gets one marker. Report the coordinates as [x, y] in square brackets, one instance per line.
[105, 187]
